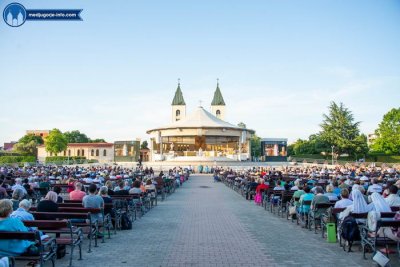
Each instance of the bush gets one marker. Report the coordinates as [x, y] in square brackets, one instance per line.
[16, 159]
[63, 159]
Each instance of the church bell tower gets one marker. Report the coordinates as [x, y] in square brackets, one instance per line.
[218, 104]
[178, 105]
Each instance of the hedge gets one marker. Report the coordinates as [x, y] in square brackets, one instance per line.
[17, 159]
[61, 159]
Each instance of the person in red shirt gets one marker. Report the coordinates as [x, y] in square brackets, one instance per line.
[259, 191]
[77, 194]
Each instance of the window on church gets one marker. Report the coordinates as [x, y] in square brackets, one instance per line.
[104, 153]
[79, 152]
[69, 152]
[83, 152]
[97, 152]
[92, 152]
[218, 113]
[177, 114]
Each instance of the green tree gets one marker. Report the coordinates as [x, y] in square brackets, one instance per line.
[28, 144]
[31, 137]
[26, 148]
[361, 146]
[388, 133]
[144, 145]
[255, 143]
[340, 130]
[56, 142]
[242, 125]
[76, 137]
[97, 140]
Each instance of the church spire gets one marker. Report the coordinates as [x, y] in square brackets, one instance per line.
[218, 100]
[178, 98]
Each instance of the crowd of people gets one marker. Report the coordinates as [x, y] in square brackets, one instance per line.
[351, 189]
[45, 187]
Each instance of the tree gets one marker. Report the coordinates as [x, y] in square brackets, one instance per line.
[76, 137]
[28, 143]
[255, 143]
[97, 140]
[388, 133]
[56, 141]
[242, 125]
[340, 130]
[26, 148]
[144, 145]
[31, 137]
[361, 146]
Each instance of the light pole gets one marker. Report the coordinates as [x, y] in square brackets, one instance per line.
[332, 153]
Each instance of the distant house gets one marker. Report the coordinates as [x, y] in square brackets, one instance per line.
[102, 152]
[9, 146]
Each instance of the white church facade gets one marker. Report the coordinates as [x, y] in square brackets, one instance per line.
[200, 135]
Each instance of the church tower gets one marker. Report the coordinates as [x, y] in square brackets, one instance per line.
[178, 105]
[218, 104]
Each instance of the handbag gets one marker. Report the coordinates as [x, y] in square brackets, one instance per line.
[292, 210]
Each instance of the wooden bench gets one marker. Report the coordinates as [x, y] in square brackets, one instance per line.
[84, 218]
[47, 247]
[65, 233]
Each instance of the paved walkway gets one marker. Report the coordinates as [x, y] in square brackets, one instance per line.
[208, 224]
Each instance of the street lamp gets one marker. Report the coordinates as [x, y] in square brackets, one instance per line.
[332, 153]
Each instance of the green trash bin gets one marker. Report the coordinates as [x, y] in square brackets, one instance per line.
[331, 232]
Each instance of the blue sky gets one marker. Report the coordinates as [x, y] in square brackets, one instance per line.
[280, 63]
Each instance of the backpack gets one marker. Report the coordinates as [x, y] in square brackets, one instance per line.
[126, 223]
[350, 231]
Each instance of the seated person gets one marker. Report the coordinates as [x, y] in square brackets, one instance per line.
[393, 198]
[345, 201]
[77, 194]
[318, 198]
[119, 190]
[136, 188]
[307, 196]
[329, 193]
[7, 223]
[57, 190]
[49, 203]
[94, 201]
[17, 196]
[22, 212]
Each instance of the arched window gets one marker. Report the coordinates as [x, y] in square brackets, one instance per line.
[104, 153]
[79, 153]
[218, 112]
[83, 152]
[97, 152]
[177, 114]
[69, 152]
[65, 153]
[92, 153]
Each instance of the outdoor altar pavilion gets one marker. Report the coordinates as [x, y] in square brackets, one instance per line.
[200, 136]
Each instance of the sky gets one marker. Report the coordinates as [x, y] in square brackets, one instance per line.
[279, 63]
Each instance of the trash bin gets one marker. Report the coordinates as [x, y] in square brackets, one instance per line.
[331, 232]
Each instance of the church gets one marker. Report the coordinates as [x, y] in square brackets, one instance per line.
[200, 136]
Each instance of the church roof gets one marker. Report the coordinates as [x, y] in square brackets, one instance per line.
[200, 118]
[178, 98]
[218, 100]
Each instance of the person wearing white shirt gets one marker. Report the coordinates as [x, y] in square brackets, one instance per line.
[18, 184]
[393, 199]
[345, 201]
[375, 187]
